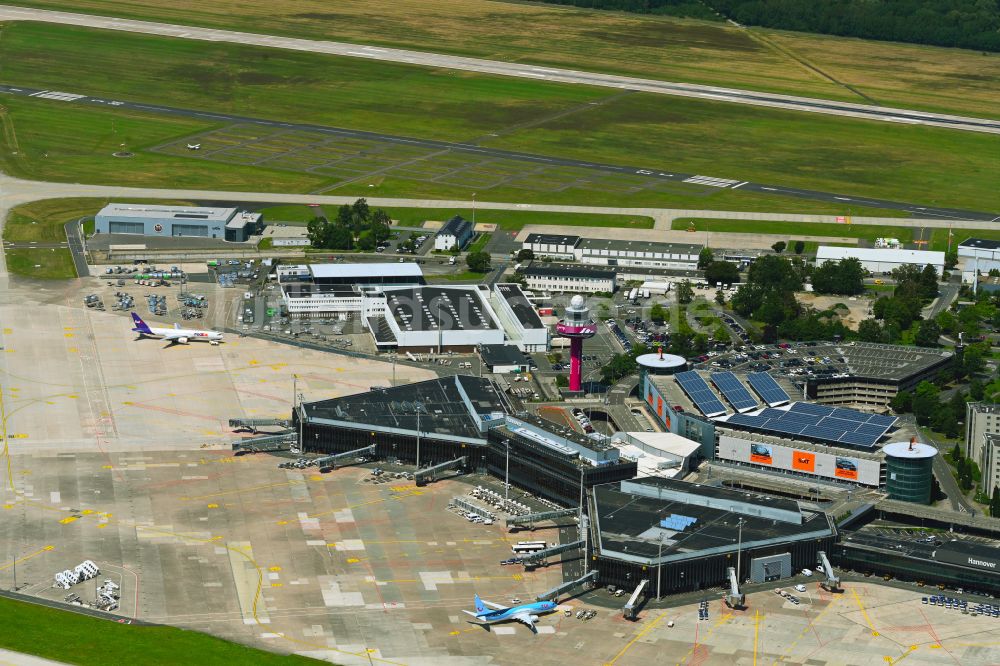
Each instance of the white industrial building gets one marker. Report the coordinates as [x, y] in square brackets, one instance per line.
[436, 319]
[604, 252]
[524, 327]
[879, 261]
[658, 453]
[456, 232]
[575, 279]
[978, 256]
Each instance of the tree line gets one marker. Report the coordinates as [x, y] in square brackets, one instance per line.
[356, 226]
[680, 8]
[970, 24]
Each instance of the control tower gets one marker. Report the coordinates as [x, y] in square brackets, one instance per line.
[576, 325]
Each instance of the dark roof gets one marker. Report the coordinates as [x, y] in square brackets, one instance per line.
[630, 523]
[952, 551]
[521, 306]
[569, 271]
[552, 239]
[501, 355]
[982, 243]
[456, 226]
[443, 409]
[417, 309]
[303, 289]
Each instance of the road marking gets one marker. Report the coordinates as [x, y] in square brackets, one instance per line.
[649, 627]
[741, 184]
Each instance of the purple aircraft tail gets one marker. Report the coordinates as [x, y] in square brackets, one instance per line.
[140, 325]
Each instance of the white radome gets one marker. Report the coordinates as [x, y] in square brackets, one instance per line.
[576, 302]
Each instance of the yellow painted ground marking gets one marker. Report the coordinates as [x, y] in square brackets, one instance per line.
[315, 477]
[645, 630]
[274, 568]
[282, 522]
[87, 512]
[756, 631]
[67, 335]
[353, 560]
[68, 328]
[38, 552]
[243, 490]
[72, 350]
[8, 331]
[18, 435]
[864, 612]
[72, 396]
[101, 526]
[277, 584]
[213, 506]
[105, 466]
[253, 361]
[68, 519]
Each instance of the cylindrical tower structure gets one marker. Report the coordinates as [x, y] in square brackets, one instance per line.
[909, 471]
[576, 325]
[660, 364]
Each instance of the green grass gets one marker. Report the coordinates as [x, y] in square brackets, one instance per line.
[89, 641]
[42, 263]
[908, 163]
[265, 243]
[939, 237]
[89, 227]
[950, 80]
[289, 214]
[479, 244]
[49, 140]
[793, 230]
[514, 220]
[464, 276]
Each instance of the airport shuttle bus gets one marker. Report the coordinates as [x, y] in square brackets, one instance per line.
[522, 547]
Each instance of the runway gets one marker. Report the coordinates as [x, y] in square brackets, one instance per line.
[649, 171]
[518, 70]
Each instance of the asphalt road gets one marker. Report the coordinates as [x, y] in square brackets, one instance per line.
[512, 69]
[697, 180]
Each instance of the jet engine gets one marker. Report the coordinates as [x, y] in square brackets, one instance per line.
[534, 618]
[183, 341]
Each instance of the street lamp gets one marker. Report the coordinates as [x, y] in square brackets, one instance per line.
[506, 476]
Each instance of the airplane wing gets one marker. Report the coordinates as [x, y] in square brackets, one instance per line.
[494, 606]
[524, 618]
[176, 335]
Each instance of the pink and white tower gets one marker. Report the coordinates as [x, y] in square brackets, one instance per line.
[576, 325]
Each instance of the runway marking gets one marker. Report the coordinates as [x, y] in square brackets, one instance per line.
[711, 181]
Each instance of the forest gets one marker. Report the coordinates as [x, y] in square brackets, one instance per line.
[970, 24]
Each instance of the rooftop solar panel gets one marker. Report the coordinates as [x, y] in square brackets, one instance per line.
[700, 393]
[734, 391]
[858, 439]
[827, 424]
[767, 388]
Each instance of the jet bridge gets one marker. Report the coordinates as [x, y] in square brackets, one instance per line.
[537, 558]
[327, 463]
[589, 577]
[267, 443]
[424, 476]
[532, 518]
[631, 607]
[832, 582]
[734, 598]
[253, 425]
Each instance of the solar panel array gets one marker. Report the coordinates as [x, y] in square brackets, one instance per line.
[767, 388]
[833, 425]
[677, 522]
[737, 394]
[700, 393]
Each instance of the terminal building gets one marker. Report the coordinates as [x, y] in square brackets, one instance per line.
[442, 420]
[574, 279]
[603, 252]
[682, 537]
[228, 224]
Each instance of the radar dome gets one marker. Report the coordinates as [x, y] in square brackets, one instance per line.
[576, 302]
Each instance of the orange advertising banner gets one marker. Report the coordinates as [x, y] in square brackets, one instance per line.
[846, 468]
[804, 461]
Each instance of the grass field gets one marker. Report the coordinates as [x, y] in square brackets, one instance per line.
[681, 50]
[41, 263]
[88, 641]
[796, 229]
[289, 213]
[923, 165]
[939, 237]
[46, 140]
[479, 244]
[514, 220]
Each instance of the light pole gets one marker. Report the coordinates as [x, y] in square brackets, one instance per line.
[506, 475]
[739, 548]
[418, 439]
[659, 568]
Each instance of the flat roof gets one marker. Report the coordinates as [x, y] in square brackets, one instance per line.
[923, 257]
[657, 360]
[307, 289]
[909, 451]
[419, 308]
[442, 407]
[629, 523]
[595, 244]
[177, 213]
[569, 271]
[520, 304]
[956, 552]
[981, 243]
[552, 239]
[396, 269]
[897, 362]
[501, 355]
[242, 219]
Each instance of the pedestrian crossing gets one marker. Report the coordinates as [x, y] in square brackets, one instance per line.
[55, 94]
[714, 182]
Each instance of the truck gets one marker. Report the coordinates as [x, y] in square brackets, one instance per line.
[632, 294]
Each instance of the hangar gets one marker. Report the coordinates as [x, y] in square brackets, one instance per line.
[881, 260]
[228, 224]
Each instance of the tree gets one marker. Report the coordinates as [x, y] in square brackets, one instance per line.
[929, 281]
[561, 381]
[658, 313]
[620, 365]
[478, 262]
[779, 247]
[380, 224]
[839, 277]
[720, 297]
[366, 241]
[705, 257]
[870, 330]
[950, 259]
[977, 390]
[956, 453]
[800, 246]
[925, 401]
[685, 292]
[927, 334]
[527, 254]
[773, 272]
[316, 231]
[902, 402]
[722, 272]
